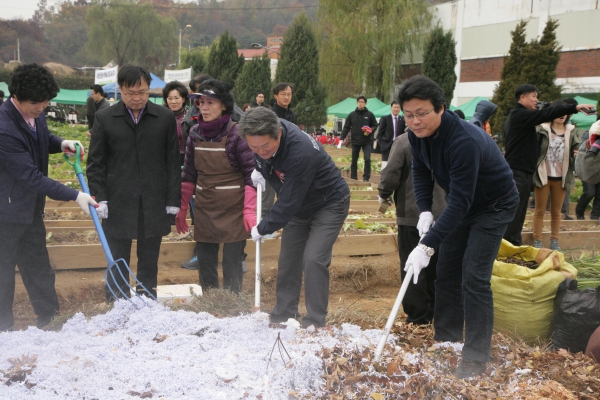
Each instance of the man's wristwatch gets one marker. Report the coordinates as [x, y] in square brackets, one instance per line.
[429, 251]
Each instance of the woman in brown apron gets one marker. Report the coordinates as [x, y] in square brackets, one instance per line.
[217, 169]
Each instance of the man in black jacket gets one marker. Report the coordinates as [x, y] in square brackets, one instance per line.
[390, 127]
[522, 148]
[282, 92]
[134, 170]
[361, 124]
[312, 205]
[25, 142]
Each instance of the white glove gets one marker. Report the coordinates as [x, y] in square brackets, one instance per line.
[172, 210]
[258, 178]
[425, 222]
[70, 144]
[256, 236]
[419, 260]
[339, 146]
[595, 128]
[84, 201]
[102, 209]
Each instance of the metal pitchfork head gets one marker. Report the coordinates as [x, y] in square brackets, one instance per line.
[120, 265]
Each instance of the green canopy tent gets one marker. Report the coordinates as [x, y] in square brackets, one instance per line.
[345, 107]
[75, 97]
[580, 120]
[4, 88]
[469, 107]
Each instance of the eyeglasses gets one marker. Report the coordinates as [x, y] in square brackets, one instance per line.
[420, 115]
[143, 93]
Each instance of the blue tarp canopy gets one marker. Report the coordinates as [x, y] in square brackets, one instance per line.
[156, 83]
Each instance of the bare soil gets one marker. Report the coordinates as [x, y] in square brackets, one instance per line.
[362, 289]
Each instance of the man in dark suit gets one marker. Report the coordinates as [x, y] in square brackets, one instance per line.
[134, 167]
[390, 127]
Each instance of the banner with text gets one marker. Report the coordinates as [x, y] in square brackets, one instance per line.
[104, 76]
[181, 75]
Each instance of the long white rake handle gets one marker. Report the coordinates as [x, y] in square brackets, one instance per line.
[257, 256]
[392, 317]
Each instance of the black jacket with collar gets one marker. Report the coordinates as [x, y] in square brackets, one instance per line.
[24, 181]
[354, 122]
[284, 113]
[304, 177]
[127, 161]
[520, 137]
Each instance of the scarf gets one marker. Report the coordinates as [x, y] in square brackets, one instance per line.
[215, 128]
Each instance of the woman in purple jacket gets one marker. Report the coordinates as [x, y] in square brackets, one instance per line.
[217, 169]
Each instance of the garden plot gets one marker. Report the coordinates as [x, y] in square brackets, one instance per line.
[150, 351]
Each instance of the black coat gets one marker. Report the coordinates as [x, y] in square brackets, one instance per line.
[304, 177]
[385, 135]
[354, 122]
[24, 181]
[128, 160]
[284, 113]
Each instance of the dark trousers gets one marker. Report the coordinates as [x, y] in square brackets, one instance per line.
[366, 148]
[464, 270]
[148, 250]
[90, 119]
[24, 245]
[233, 254]
[306, 248]
[524, 183]
[419, 299]
[590, 191]
[385, 154]
[268, 198]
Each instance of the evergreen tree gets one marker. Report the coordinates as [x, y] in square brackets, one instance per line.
[223, 61]
[540, 59]
[299, 65]
[364, 42]
[255, 76]
[510, 78]
[193, 58]
[312, 110]
[439, 61]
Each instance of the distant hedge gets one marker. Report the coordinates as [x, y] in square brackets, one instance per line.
[64, 81]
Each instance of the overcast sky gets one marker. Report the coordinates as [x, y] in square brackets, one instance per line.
[11, 9]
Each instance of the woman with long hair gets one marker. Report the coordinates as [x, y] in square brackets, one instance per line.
[558, 148]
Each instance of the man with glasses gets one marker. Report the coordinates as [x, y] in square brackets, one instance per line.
[134, 171]
[361, 124]
[481, 200]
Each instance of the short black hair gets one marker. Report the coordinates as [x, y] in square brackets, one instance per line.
[570, 100]
[280, 86]
[361, 97]
[1, 94]
[33, 82]
[460, 114]
[97, 89]
[394, 102]
[131, 75]
[524, 89]
[197, 81]
[175, 85]
[221, 92]
[259, 92]
[421, 87]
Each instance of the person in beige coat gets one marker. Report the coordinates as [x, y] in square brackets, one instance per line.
[558, 148]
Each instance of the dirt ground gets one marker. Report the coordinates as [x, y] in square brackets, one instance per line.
[362, 289]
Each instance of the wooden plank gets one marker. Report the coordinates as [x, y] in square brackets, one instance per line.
[92, 255]
[364, 205]
[567, 239]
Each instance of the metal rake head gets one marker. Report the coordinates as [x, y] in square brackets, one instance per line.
[117, 276]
